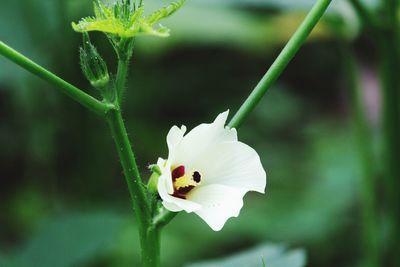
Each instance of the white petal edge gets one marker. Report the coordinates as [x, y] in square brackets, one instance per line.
[201, 138]
[174, 137]
[219, 203]
[165, 168]
[233, 164]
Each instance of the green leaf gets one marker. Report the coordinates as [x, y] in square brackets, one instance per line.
[127, 24]
[69, 240]
[270, 254]
[165, 12]
[110, 25]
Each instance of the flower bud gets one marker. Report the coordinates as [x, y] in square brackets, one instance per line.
[152, 184]
[93, 66]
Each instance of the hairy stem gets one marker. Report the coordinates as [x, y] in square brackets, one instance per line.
[151, 251]
[287, 54]
[65, 87]
[366, 157]
[136, 188]
[120, 82]
[149, 236]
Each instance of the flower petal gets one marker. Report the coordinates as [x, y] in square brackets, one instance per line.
[232, 164]
[201, 138]
[167, 179]
[174, 138]
[219, 203]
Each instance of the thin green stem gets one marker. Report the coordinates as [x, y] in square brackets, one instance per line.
[122, 71]
[288, 52]
[65, 87]
[365, 151]
[124, 50]
[163, 218]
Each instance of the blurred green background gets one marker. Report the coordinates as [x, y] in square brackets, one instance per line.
[63, 199]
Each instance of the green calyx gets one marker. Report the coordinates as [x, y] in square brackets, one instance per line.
[126, 21]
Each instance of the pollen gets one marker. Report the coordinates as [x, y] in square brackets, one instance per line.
[184, 181]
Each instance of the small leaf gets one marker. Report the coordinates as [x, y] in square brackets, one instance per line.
[165, 12]
[105, 25]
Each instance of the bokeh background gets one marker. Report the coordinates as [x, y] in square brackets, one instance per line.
[63, 199]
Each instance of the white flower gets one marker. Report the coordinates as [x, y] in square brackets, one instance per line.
[208, 171]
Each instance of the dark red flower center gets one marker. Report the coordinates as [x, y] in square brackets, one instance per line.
[184, 182]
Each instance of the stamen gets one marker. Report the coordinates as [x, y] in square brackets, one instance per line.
[196, 177]
[181, 192]
[178, 172]
[184, 183]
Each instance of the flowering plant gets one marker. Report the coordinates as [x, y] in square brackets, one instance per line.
[207, 171]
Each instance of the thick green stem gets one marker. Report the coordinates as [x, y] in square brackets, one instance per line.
[390, 65]
[365, 151]
[65, 87]
[151, 253]
[149, 239]
[149, 236]
[287, 54]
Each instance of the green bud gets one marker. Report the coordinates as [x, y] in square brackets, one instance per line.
[93, 66]
[153, 181]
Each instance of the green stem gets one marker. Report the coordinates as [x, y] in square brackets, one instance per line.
[140, 203]
[288, 52]
[149, 236]
[124, 50]
[151, 255]
[163, 218]
[362, 131]
[65, 87]
[390, 65]
[122, 71]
